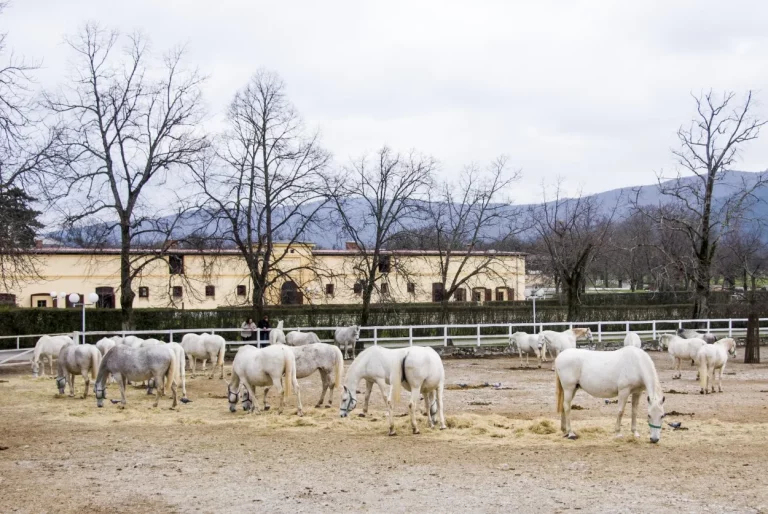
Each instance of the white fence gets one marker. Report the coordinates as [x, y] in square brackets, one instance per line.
[432, 335]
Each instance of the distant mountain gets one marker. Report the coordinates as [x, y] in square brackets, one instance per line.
[328, 235]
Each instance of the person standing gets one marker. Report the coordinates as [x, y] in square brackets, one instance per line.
[247, 330]
[264, 334]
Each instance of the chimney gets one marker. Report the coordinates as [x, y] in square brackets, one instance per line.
[351, 245]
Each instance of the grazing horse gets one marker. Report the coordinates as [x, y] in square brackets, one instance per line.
[347, 336]
[687, 333]
[322, 357]
[526, 343]
[296, 338]
[263, 367]
[419, 370]
[681, 349]
[712, 358]
[276, 335]
[159, 363]
[372, 365]
[77, 359]
[632, 339]
[49, 347]
[205, 347]
[560, 341]
[623, 373]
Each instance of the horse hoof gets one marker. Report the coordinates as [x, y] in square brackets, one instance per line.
[300, 414]
[266, 407]
[443, 427]
[701, 392]
[619, 436]
[361, 415]
[416, 431]
[392, 433]
[572, 437]
[637, 435]
[319, 406]
[328, 406]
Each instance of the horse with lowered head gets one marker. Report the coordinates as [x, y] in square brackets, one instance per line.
[561, 341]
[158, 363]
[526, 344]
[77, 359]
[322, 357]
[48, 347]
[707, 337]
[205, 347]
[297, 338]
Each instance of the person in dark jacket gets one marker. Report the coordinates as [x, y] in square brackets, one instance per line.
[264, 334]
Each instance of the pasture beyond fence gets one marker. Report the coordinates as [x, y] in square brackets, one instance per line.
[605, 333]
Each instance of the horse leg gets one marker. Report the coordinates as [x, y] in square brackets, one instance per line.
[428, 404]
[368, 389]
[566, 416]
[635, 405]
[412, 403]
[712, 379]
[158, 389]
[324, 379]
[213, 368]
[252, 396]
[123, 382]
[439, 395]
[173, 392]
[623, 397]
[278, 385]
[720, 379]
[266, 405]
[87, 378]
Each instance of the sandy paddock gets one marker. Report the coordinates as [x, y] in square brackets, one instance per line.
[500, 453]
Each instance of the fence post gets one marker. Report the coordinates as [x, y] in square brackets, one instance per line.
[478, 335]
[410, 336]
[170, 336]
[17, 342]
[375, 337]
[730, 327]
[599, 332]
[445, 335]
[708, 325]
[570, 326]
[627, 327]
[653, 325]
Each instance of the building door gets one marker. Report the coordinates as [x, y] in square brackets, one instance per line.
[290, 294]
[437, 292]
[106, 297]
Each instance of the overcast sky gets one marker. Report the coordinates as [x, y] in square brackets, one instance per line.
[591, 91]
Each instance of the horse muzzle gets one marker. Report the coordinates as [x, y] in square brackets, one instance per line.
[654, 440]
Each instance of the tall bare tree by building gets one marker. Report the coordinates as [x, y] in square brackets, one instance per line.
[709, 148]
[376, 198]
[265, 185]
[570, 232]
[131, 121]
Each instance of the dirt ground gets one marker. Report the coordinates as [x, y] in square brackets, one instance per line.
[501, 451]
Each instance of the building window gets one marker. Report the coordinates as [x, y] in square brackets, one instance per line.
[106, 297]
[210, 291]
[177, 291]
[385, 288]
[143, 292]
[42, 303]
[499, 294]
[384, 264]
[240, 290]
[329, 289]
[477, 295]
[411, 287]
[176, 264]
[460, 295]
[358, 287]
[437, 291]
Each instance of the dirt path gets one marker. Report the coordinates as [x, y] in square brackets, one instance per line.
[501, 452]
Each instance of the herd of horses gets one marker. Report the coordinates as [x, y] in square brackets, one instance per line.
[625, 373]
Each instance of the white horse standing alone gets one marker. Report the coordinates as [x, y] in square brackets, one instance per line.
[632, 339]
[276, 335]
[49, 347]
[263, 367]
[205, 347]
[347, 336]
[681, 349]
[297, 338]
[526, 343]
[712, 358]
[77, 359]
[561, 341]
[623, 373]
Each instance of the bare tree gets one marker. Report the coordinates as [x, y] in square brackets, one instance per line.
[571, 231]
[373, 202]
[709, 147]
[129, 124]
[264, 186]
[462, 218]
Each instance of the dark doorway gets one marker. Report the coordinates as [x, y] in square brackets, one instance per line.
[290, 294]
[106, 297]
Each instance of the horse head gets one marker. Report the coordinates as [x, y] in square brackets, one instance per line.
[35, 368]
[61, 383]
[357, 332]
[664, 341]
[100, 392]
[730, 345]
[588, 334]
[655, 415]
[348, 402]
[232, 398]
[247, 401]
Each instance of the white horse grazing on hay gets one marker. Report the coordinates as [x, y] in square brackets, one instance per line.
[372, 365]
[632, 339]
[48, 347]
[297, 338]
[561, 341]
[77, 359]
[322, 357]
[263, 367]
[707, 337]
[712, 358]
[346, 336]
[526, 344]
[276, 335]
[205, 347]
[623, 373]
[681, 349]
[419, 370]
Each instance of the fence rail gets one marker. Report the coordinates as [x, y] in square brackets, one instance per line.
[432, 335]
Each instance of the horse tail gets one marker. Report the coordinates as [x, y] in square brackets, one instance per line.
[559, 393]
[290, 371]
[182, 358]
[338, 366]
[222, 351]
[171, 375]
[95, 362]
[703, 372]
[396, 378]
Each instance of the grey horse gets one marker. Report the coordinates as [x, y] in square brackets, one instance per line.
[687, 333]
[138, 364]
[77, 359]
[347, 336]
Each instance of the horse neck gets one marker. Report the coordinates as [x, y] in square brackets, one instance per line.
[353, 375]
[651, 381]
[101, 376]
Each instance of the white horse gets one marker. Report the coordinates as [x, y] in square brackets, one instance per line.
[560, 341]
[263, 367]
[419, 370]
[681, 349]
[322, 357]
[77, 359]
[347, 336]
[687, 333]
[296, 338]
[526, 343]
[105, 344]
[623, 373]
[712, 358]
[48, 347]
[131, 341]
[276, 335]
[205, 347]
[372, 365]
[632, 339]
[180, 377]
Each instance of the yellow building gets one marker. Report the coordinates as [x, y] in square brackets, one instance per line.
[209, 279]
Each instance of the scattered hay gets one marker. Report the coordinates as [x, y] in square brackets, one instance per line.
[592, 431]
[543, 427]
[78, 414]
[458, 422]
[304, 422]
[676, 413]
[576, 407]
[672, 391]
[480, 403]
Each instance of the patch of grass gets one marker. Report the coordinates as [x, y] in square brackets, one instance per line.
[543, 427]
[458, 422]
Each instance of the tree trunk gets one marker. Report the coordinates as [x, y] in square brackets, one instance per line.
[126, 280]
[572, 299]
[752, 351]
